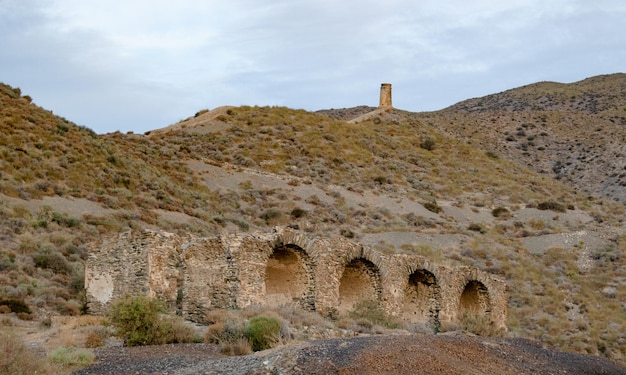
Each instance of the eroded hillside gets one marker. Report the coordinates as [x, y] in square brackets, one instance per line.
[398, 182]
[574, 132]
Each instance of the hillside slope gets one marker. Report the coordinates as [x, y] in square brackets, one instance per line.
[574, 132]
[397, 182]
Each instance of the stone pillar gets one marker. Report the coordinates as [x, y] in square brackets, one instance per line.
[385, 95]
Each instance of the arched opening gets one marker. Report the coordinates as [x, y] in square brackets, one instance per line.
[421, 301]
[360, 281]
[289, 278]
[474, 299]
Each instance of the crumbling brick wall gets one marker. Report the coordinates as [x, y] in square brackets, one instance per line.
[194, 275]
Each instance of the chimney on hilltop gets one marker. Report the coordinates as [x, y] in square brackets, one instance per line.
[385, 95]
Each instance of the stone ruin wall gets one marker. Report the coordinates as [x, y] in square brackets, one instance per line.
[385, 96]
[193, 275]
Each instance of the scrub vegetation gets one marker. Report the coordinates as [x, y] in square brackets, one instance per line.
[483, 177]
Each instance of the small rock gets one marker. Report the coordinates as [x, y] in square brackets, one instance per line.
[609, 291]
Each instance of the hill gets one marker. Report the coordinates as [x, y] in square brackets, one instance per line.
[431, 184]
[572, 132]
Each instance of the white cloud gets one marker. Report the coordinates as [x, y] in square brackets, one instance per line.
[154, 62]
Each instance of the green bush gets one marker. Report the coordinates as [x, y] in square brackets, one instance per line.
[71, 356]
[138, 321]
[263, 332]
[52, 261]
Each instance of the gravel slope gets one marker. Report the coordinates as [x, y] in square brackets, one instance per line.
[424, 354]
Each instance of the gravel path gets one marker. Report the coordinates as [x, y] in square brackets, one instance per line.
[423, 354]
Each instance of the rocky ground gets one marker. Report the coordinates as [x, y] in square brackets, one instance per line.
[452, 353]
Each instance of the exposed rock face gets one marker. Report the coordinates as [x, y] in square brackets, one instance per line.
[193, 275]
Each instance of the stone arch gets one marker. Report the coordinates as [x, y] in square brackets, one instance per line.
[360, 280]
[288, 236]
[289, 278]
[474, 299]
[422, 298]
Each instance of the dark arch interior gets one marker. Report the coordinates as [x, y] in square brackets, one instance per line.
[288, 278]
[474, 299]
[421, 301]
[360, 281]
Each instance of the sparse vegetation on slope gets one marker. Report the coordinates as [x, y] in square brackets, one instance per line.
[572, 132]
[444, 185]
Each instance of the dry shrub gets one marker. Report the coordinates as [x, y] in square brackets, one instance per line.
[86, 321]
[16, 359]
[298, 318]
[478, 324]
[94, 340]
[241, 346]
[225, 332]
[501, 212]
[230, 336]
[46, 321]
[428, 144]
[537, 224]
[24, 316]
[374, 312]
[6, 321]
[298, 212]
[433, 207]
[476, 228]
[552, 206]
[176, 331]
[344, 323]
[15, 305]
[218, 316]
[422, 327]
[447, 326]
[364, 325]
[260, 327]
[271, 215]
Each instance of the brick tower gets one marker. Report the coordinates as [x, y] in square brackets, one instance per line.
[385, 95]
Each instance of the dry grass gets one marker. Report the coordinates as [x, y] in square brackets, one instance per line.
[16, 359]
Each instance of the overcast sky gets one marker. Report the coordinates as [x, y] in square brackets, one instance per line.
[145, 64]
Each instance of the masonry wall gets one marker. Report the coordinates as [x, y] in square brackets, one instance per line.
[385, 95]
[195, 275]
